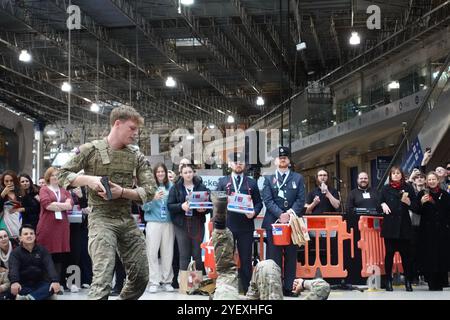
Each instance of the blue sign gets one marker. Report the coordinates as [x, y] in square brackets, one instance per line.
[413, 157]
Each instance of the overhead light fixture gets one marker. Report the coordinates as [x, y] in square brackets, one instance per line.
[51, 132]
[55, 142]
[190, 137]
[230, 119]
[300, 46]
[24, 56]
[285, 130]
[187, 2]
[260, 101]
[170, 82]
[211, 126]
[95, 108]
[393, 85]
[66, 87]
[355, 39]
[310, 73]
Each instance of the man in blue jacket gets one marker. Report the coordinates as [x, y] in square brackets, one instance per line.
[242, 224]
[283, 194]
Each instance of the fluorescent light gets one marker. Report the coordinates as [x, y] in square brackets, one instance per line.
[285, 130]
[260, 101]
[355, 39]
[393, 85]
[300, 46]
[187, 2]
[55, 142]
[46, 157]
[230, 119]
[190, 137]
[24, 56]
[311, 72]
[66, 87]
[170, 82]
[211, 126]
[95, 108]
[51, 132]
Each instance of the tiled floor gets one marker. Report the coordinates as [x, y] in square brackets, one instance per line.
[399, 293]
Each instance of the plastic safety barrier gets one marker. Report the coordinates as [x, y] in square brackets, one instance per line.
[326, 225]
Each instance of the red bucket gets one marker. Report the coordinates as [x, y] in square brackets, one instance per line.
[281, 234]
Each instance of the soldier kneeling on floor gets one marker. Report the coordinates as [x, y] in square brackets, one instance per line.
[266, 279]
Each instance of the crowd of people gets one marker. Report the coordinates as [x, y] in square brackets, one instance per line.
[38, 243]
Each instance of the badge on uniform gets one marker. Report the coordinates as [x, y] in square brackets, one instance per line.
[281, 193]
[286, 204]
[294, 185]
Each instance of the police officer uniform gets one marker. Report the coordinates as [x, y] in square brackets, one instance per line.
[111, 226]
[283, 193]
[241, 226]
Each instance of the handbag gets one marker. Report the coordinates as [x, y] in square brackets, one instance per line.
[190, 279]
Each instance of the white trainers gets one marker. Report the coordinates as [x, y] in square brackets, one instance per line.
[168, 287]
[74, 289]
[25, 297]
[153, 289]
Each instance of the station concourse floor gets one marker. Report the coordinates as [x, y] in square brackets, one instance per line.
[399, 293]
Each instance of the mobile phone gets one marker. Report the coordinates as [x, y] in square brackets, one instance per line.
[105, 183]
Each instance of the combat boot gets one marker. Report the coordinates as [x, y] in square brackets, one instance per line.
[220, 202]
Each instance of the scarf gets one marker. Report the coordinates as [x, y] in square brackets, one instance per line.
[5, 257]
[435, 190]
[397, 185]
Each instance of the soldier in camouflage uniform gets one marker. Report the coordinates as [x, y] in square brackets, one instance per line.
[111, 225]
[266, 279]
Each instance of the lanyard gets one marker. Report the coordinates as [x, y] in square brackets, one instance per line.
[238, 188]
[188, 191]
[57, 194]
[284, 181]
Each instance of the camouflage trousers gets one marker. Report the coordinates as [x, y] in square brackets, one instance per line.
[108, 235]
[266, 281]
[227, 280]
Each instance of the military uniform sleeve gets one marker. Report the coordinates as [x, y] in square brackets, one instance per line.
[69, 172]
[146, 182]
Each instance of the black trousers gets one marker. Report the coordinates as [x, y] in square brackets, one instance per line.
[289, 253]
[244, 244]
[189, 242]
[402, 246]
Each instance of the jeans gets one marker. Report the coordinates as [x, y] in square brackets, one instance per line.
[40, 291]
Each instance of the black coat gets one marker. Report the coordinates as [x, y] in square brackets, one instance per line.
[397, 224]
[177, 196]
[32, 209]
[238, 221]
[434, 233]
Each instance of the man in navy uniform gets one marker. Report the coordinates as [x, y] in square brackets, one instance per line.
[283, 194]
[242, 224]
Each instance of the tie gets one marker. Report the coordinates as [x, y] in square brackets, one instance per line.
[282, 178]
[238, 181]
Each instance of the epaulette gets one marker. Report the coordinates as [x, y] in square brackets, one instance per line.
[84, 148]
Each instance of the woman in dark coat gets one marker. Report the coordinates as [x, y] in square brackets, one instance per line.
[189, 224]
[30, 200]
[397, 198]
[434, 245]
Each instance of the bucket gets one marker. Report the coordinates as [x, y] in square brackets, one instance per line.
[281, 234]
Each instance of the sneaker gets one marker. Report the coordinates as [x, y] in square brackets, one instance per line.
[168, 287]
[153, 289]
[19, 297]
[74, 289]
